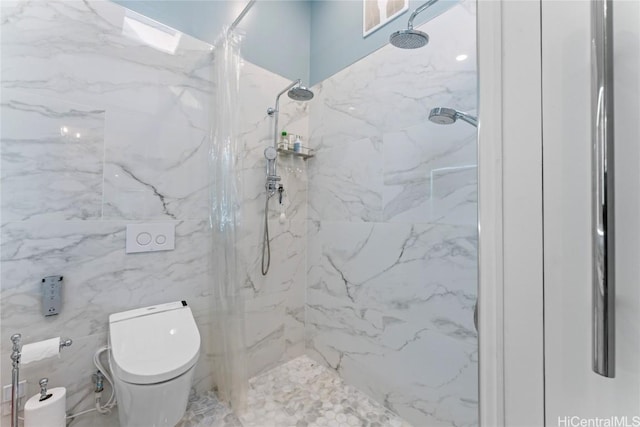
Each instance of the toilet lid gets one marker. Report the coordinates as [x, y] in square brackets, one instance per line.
[153, 344]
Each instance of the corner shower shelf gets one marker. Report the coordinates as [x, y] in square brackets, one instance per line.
[306, 154]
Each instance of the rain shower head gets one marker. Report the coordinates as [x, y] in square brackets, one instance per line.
[447, 116]
[300, 93]
[296, 91]
[410, 38]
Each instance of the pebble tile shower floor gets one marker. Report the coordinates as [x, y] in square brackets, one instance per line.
[300, 393]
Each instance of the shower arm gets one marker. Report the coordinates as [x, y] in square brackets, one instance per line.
[276, 110]
[272, 167]
[418, 11]
[467, 118]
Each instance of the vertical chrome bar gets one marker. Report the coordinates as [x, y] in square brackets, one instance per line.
[603, 189]
[15, 377]
[246, 9]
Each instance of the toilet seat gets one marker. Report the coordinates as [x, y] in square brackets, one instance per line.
[153, 344]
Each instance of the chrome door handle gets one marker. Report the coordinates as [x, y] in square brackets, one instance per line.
[603, 280]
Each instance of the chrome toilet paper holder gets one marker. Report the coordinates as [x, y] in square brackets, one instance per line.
[15, 372]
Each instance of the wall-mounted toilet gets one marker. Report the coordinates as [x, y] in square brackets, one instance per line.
[153, 352]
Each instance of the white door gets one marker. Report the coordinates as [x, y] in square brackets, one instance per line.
[574, 394]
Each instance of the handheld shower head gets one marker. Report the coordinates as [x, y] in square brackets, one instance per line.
[447, 116]
[443, 116]
[410, 38]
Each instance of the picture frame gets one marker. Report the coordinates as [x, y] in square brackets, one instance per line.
[377, 13]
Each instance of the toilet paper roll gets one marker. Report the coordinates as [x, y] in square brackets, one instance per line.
[49, 412]
[40, 350]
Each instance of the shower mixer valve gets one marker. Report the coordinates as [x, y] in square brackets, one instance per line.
[272, 184]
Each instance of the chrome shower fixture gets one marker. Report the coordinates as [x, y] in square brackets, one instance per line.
[447, 116]
[271, 154]
[300, 93]
[410, 38]
[297, 92]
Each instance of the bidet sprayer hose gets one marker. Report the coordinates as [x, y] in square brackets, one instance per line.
[106, 408]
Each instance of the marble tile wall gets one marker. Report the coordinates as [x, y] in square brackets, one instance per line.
[274, 304]
[392, 239]
[100, 130]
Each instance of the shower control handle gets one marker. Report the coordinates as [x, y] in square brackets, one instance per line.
[280, 193]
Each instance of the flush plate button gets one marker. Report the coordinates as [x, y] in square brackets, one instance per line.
[143, 238]
[150, 237]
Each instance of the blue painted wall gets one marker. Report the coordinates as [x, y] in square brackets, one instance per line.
[336, 33]
[307, 39]
[277, 32]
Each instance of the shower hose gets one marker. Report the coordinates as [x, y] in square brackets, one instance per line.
[266, 246]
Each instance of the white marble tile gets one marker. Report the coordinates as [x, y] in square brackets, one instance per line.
[99, 278]
[391, 234]
[98, 125]
[275, 302]
[303, 393]
[265, 330]
[384, 298]
[156, 165]
[288, 257]
[293, 173]
[154, 104]
[295, 318]
[52, 153]
[395, 272]
[300, 393]
[400, 98]
[258, 90]
[430, 174]
[155, 119]
[206, 410]
[375, 145]
[451, 33]
[380, 296]
[346, 182]
[394, 89]
[93, 59]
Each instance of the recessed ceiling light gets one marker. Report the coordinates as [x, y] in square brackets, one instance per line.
[461, 57]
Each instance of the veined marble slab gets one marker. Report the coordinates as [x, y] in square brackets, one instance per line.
[392, 234]
[390, 307]
[52, 158]
[98, 129]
